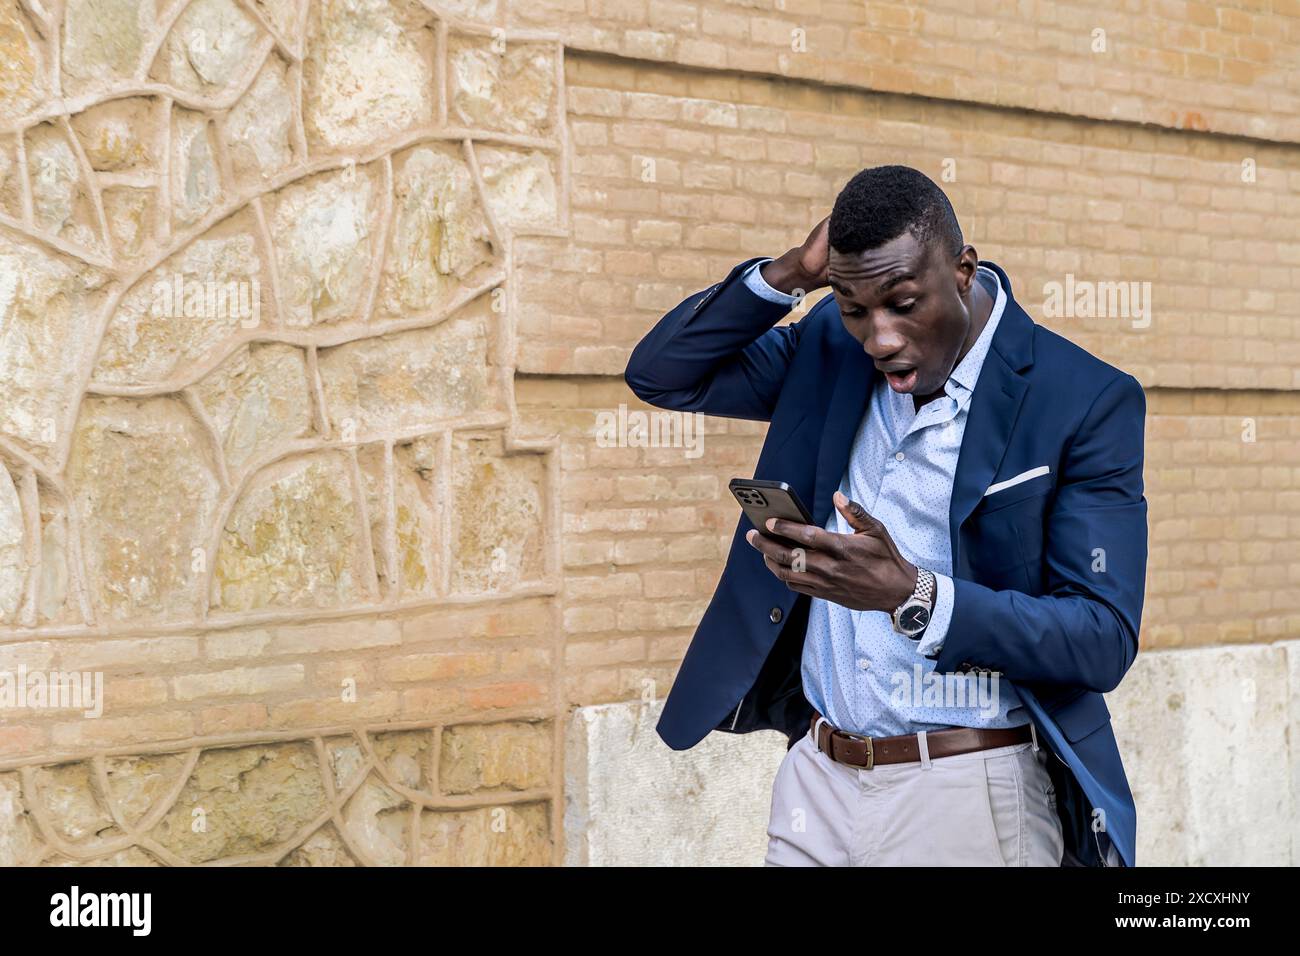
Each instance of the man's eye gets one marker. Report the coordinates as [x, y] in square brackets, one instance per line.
[902, 308]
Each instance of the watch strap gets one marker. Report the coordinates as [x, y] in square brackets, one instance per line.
[925, 586]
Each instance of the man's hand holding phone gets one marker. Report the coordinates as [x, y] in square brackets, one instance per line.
[863, 571]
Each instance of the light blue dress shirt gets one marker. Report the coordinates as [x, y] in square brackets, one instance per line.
[861, 674]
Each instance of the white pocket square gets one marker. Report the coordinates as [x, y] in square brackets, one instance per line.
[1023, 476]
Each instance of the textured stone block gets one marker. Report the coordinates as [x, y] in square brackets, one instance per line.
[498, 515]
[139, 784]
[520, 186]
[513, 756]
[373, 465]
[322, 848]
[13, 557]
[21, 87]
[259, 128]
[258, 400]
[243, 800]
[61, 202]
[405, 754]
[145, 488]
[11, 179]
[293, 539]
[323, 229]
[417, 493]
[70, 798]
[440, 242]
[195, 177]
[131, 216]
[377, 821]
[508, 86]
[115, 135]
[188, 309]
[209, 47]
[346, 761]
[510, 835]
[103, 41]
[408, 380]
[43, 333]
[19, 844]
[368, 71]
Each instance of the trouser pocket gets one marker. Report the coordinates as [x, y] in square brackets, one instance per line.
[1022, 802]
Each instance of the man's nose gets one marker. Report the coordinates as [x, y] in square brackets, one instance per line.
[882, 343]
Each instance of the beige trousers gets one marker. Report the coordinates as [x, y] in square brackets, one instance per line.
[987, 808]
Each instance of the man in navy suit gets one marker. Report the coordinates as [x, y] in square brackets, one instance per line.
[936, 644]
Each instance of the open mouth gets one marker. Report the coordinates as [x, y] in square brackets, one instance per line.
[903, 380]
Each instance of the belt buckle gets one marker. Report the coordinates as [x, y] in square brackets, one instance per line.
[871, 755]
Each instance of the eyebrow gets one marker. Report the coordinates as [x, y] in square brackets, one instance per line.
[894, 280]
[885, 286]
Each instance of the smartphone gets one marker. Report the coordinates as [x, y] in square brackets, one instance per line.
[761, 499]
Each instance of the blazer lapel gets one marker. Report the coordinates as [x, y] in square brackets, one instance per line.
[993, 411]
[999, 392]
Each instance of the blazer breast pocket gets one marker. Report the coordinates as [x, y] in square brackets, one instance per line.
[1007, 540]
[1012, 491]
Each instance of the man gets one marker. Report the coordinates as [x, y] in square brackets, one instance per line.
[980, 526]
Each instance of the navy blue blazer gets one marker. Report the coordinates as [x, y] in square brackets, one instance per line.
[1049, 574]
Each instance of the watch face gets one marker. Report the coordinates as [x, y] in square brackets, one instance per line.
[913, 618]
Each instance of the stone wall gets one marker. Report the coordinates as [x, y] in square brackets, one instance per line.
[308, 311]
[261, 466]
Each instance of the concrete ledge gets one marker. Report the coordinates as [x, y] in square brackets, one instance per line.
[1210, 739]
[630, 800]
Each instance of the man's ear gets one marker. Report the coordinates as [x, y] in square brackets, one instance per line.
[965, 269]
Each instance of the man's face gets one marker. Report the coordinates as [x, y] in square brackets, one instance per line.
[909, 306]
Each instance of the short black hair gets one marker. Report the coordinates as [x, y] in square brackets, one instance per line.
[879, 204]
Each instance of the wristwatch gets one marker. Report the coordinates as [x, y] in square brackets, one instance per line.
[913, 615]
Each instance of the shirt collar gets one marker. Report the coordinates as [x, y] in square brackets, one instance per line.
[961, 382]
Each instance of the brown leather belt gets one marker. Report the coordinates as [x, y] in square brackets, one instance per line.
[856, 750]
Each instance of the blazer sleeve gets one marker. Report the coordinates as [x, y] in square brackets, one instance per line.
[717, 352]
[1084, 631]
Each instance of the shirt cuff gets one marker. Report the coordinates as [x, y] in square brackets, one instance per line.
[940, 617]
[758, 285]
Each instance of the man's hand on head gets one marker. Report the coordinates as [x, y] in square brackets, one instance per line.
[803, 268]
[862, 571]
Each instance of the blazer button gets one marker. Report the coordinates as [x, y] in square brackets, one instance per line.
[775, 615]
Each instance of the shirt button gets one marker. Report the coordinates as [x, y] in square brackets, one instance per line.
[899, 456]
[775, 615]
[863, 664]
